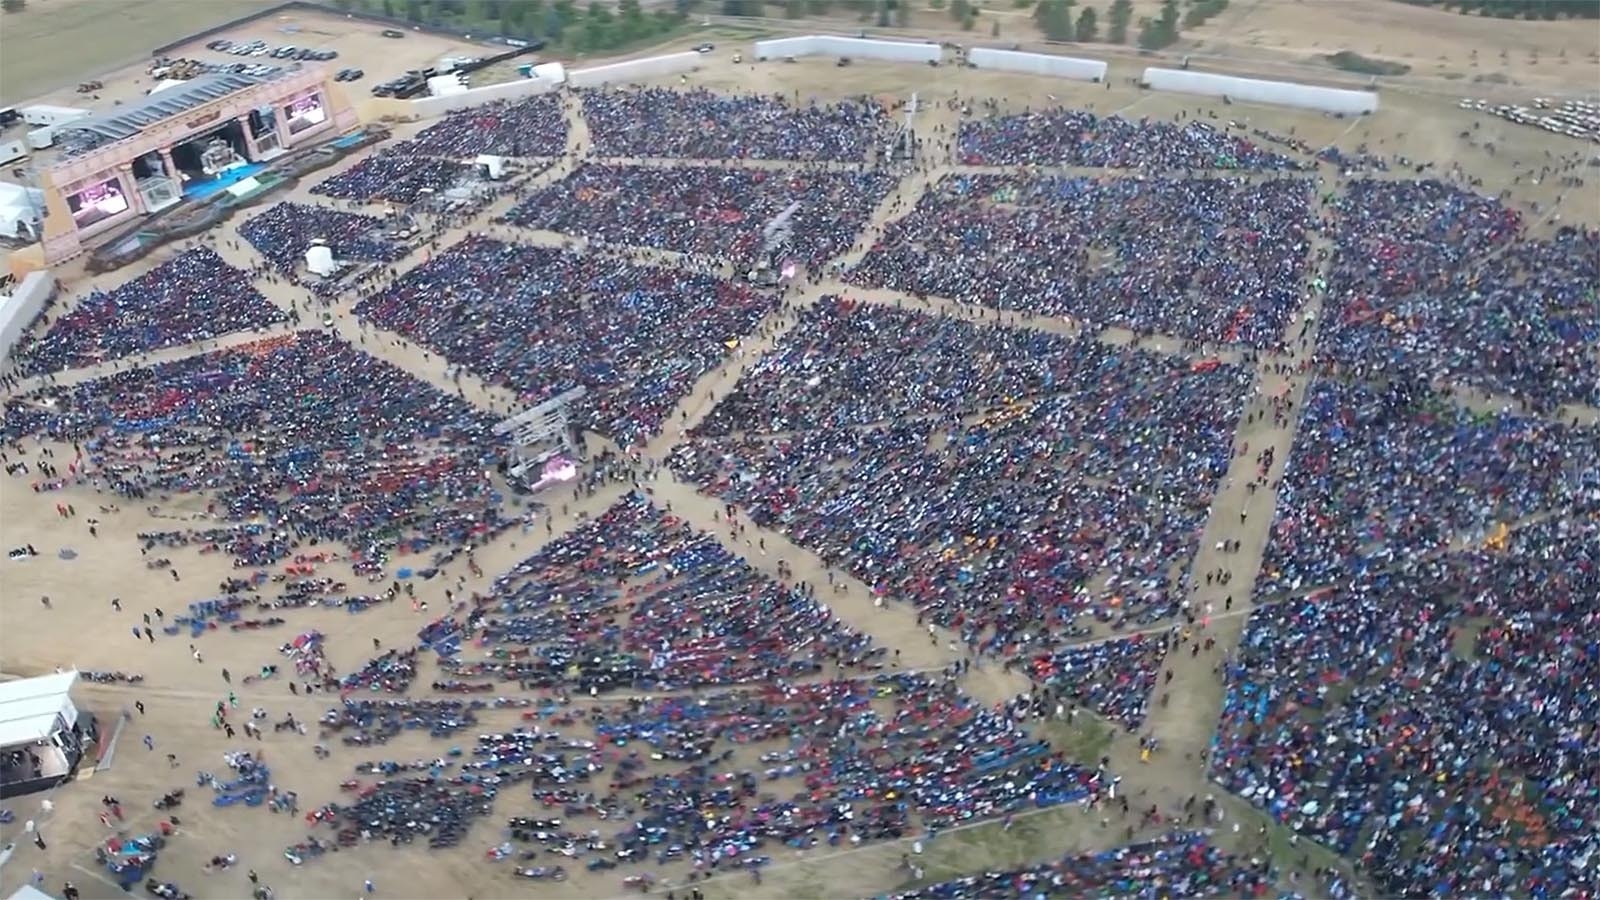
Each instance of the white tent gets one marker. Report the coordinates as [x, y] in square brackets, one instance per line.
[19, 211]
[319, 260]
[32, 709]
[29, 892]
[446, 86]
[553, 72]
[496, 165]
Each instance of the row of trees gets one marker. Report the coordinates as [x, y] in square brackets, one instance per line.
[599, 26]
[1060, 20]
[1519, 9]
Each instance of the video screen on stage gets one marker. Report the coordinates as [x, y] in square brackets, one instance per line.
[97, 202]
[304, 113]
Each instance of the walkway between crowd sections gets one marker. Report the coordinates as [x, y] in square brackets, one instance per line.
[68, 377]
[1479, 401]
[769, 165]
[1238, 513]
[1138, 175]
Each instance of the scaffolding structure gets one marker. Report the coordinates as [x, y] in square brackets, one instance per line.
[902, 146]
[775, 237]
[540, 432]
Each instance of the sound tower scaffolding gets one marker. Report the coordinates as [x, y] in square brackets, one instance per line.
[539, 433]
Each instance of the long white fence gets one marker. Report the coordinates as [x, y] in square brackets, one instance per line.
[1254, 90]
[429, 107]
[634, 70]
[854, 48]
[1037, 64]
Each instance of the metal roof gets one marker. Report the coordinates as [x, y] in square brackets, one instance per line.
[127, 121]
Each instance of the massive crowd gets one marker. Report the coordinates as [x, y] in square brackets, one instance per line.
[1431, 714]
[639, 599]
[401, 174]
[1437, 720]
[1213, 259]
[851, 363]
[1431, 281]
[708, 210]
[285, 232]
[851, 761]
[1072, 137]
[1179, 864]
[532, 126]
[301, 433]
[192, 297]
[1115, 678]
[1380, 475]
[700, 124]
[1006, 526]
[542, 321]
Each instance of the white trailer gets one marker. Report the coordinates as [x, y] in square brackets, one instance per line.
[53, 115]
[11, 151]
[40, 138]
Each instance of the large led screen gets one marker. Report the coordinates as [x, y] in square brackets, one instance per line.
[97, 202]
[306, 112]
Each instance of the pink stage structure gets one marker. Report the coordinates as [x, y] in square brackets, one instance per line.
[205, 135]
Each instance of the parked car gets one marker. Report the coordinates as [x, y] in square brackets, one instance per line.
[393, 33]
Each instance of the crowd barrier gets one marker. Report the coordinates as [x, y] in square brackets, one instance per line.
[634, 70]
[854, 48]
[1253, 90]
[1037, 64]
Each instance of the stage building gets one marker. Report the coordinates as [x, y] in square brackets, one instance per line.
[187, 141]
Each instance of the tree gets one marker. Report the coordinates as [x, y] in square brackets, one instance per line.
[1120, 17]
[883, 13]
[631, 23]
[819, 7]
[958, 9]
[994, 28]
[13, 5]
[794, 9]
[970, 20]
[1088, 30]
[902, 13]
[1056, 20]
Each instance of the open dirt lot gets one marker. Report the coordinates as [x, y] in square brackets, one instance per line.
[81, 629]
[56, 44]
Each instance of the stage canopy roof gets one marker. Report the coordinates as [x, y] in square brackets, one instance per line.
[29, 707]
[130, 119]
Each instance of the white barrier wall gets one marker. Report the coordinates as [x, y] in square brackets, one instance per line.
[1251, 90]
[18, 310]
[430, 107]
[634, 70]
[855, 48]
[1037, 64]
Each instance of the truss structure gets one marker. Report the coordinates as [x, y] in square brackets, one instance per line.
[540, 432]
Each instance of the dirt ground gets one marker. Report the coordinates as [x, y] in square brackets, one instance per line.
[82, 630]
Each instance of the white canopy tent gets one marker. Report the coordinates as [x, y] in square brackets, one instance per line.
[33, 709]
